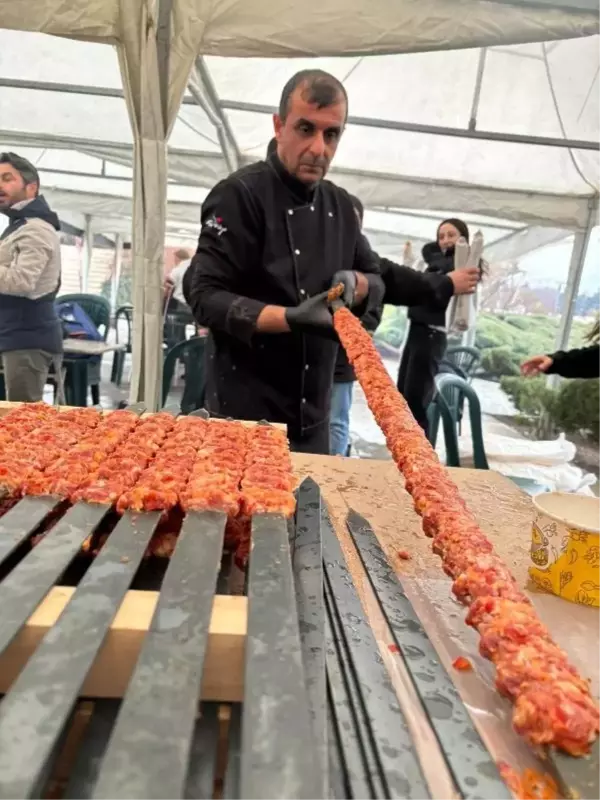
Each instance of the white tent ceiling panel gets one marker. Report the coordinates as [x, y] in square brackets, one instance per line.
[35, 56]
[516, 93]
[193, 130]
[61, 114]
[533, 209]
[92, 19]
[353, 27]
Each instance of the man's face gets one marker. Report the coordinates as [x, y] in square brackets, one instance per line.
[13, 189]
[308, 139]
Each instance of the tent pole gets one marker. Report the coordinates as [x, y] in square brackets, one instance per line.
[235, 105]
[477, 89]
[116, 275]
[578, 254]
[88, 247]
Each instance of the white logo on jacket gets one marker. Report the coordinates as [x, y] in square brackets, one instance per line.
[217, 224]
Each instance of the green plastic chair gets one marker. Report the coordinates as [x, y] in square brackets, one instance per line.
[98, 310]
[447, 404]
[191, 352]
[465, 358]
[461, 361]
[123, 312]
[451, 392]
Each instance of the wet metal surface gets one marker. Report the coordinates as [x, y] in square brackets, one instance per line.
[361, 773]
[30, 581]
[397, 763]
[21, 520]
[279, 758]
[578, 777]
[149, 750]
[307, 560]
[39, 703]
[469, 761]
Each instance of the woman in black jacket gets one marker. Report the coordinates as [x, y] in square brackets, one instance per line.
[583, 362]
[426, 342]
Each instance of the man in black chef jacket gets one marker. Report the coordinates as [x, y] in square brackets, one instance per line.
[275, 236]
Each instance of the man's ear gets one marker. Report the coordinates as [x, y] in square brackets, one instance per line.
[277, 125]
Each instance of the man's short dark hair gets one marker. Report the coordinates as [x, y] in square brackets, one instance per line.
[358, 207]
[321, 90]
[25, 168]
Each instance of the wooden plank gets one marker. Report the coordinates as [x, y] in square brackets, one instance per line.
[223, 678]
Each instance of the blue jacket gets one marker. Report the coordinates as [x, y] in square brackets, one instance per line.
[30, 279]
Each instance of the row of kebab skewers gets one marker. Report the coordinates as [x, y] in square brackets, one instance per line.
[154, 463]
[552, 703]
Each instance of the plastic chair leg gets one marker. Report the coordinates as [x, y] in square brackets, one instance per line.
[95, 394]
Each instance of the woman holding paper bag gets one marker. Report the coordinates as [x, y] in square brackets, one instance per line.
[426, 342]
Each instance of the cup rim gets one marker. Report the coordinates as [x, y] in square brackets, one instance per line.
[563, 519]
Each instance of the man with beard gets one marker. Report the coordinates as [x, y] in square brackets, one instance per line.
[30, 331]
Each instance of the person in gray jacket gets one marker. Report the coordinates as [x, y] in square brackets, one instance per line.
[30, 330]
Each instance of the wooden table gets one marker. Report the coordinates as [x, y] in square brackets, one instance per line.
[85, 347]
[375, 490]
[77, 356]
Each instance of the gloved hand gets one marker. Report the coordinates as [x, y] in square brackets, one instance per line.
[349, 279]
[312, 316]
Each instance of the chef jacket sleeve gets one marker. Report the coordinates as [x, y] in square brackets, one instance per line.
[365, 260]
[228, 246]
[404, 286]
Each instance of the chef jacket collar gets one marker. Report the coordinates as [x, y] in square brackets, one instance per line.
[301, 191]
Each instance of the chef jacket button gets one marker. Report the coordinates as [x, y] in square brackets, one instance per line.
[312, 208]
[302, 292]
[290, 212]
[330, 214]
[304, 399]
[306, 366]
[297, 252]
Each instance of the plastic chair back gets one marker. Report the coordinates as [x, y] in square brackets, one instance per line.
[465, 358]
[451, 392]
[125, 312]
[191, 352]
[95, 306]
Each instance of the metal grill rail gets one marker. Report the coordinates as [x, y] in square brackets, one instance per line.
[319, 716]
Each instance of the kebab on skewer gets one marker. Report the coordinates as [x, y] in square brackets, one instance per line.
[65, 475]
[267, 485]
[552, 702]
[24, 459]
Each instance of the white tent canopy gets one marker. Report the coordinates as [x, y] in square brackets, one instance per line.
[502, 133]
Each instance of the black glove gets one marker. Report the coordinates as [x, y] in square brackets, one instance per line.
[348, 278]
[312, 316]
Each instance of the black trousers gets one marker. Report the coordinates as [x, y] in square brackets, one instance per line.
[420, 363]
[315, 440]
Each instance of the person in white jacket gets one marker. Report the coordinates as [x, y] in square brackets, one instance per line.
[30, 330]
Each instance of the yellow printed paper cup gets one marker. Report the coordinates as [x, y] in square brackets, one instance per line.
[565, 546]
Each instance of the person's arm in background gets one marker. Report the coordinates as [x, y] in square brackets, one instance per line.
[404, 286]
[583, 362]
